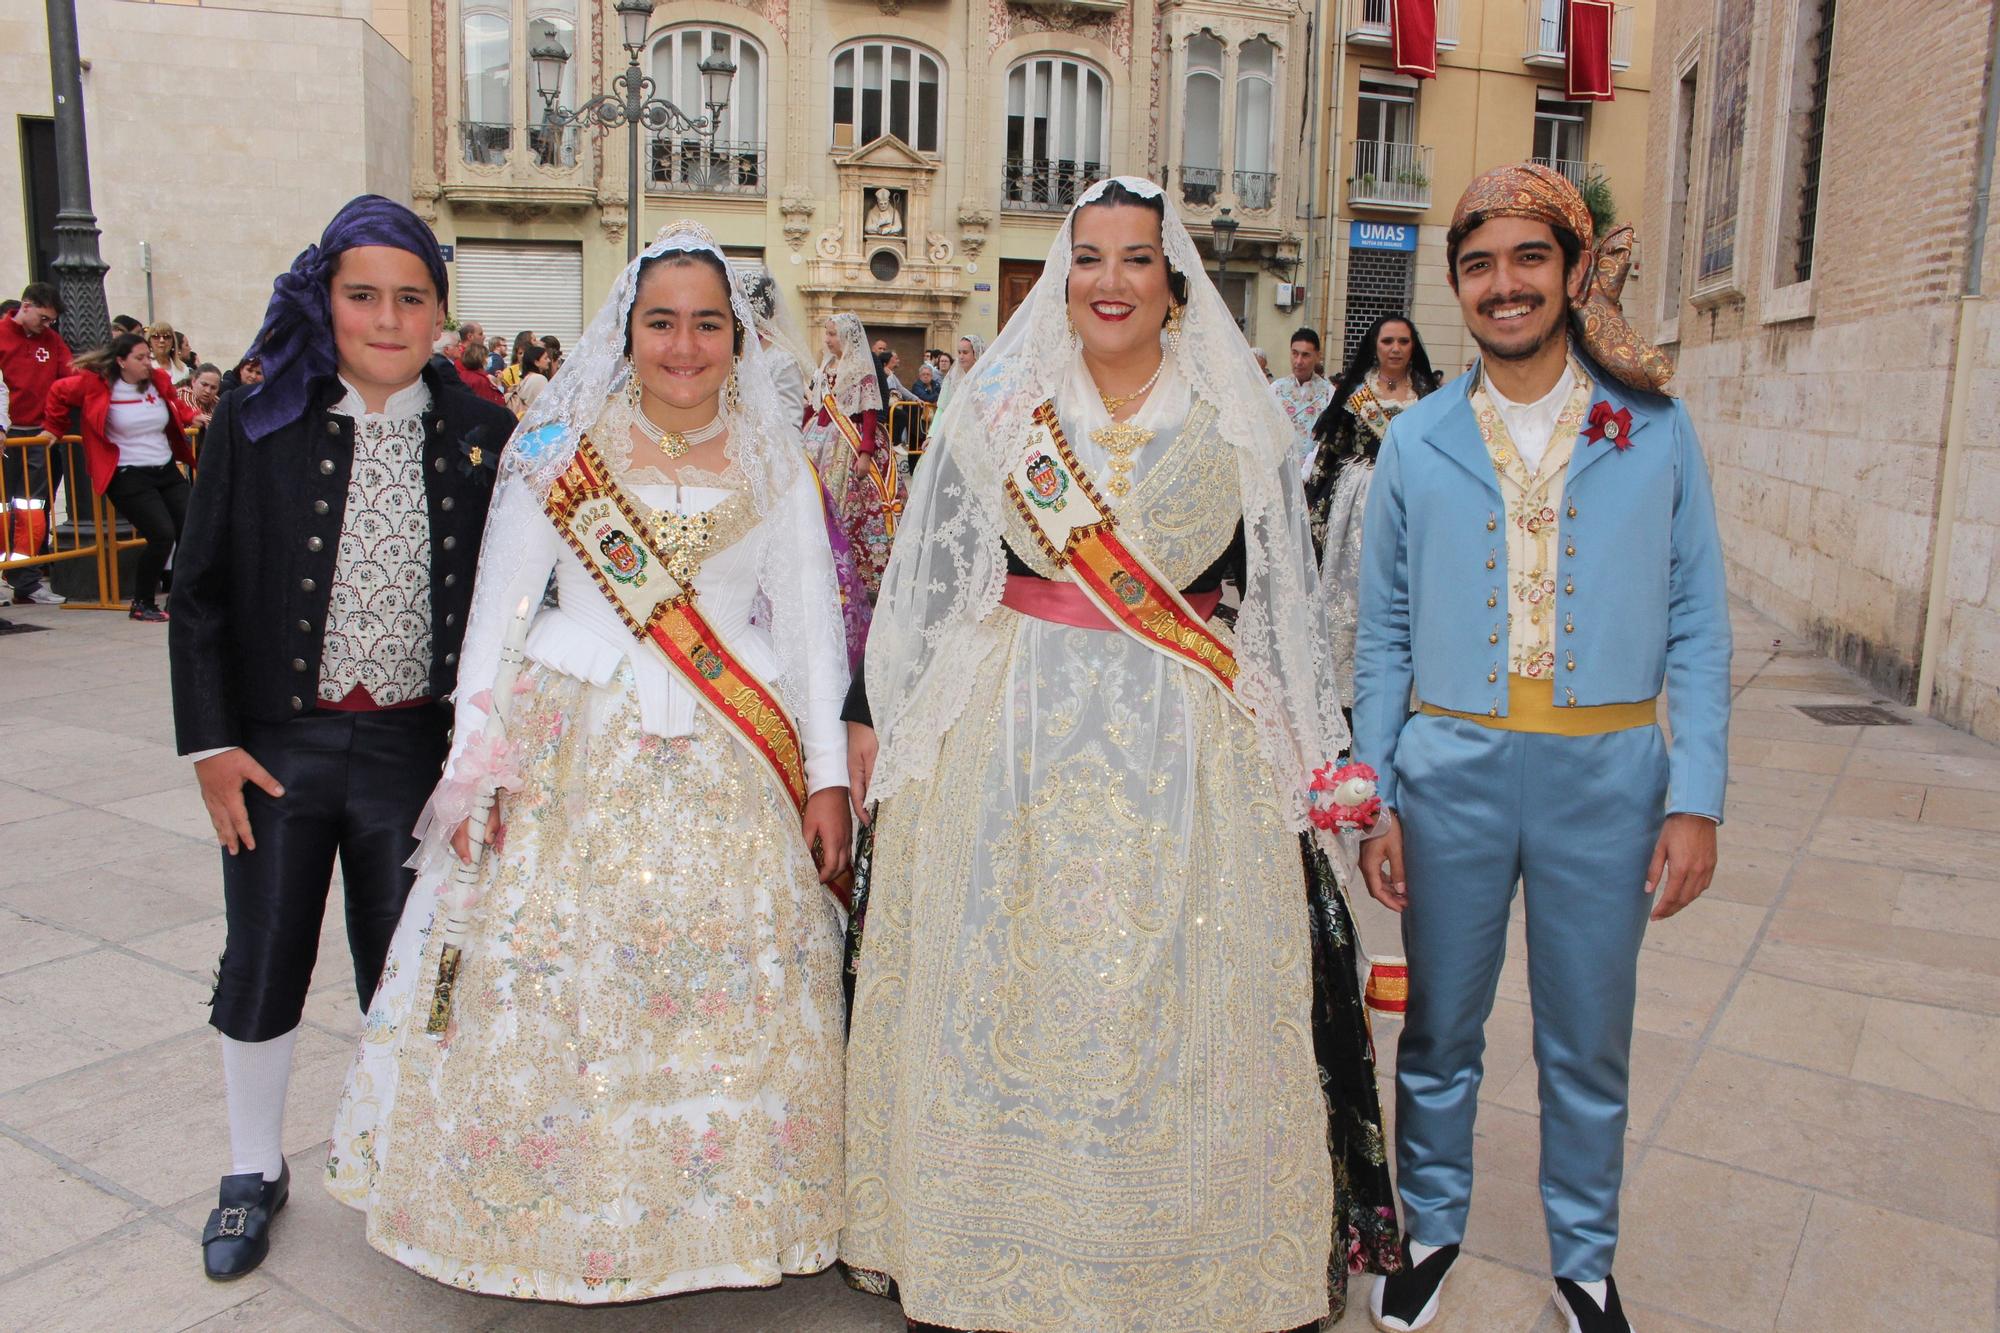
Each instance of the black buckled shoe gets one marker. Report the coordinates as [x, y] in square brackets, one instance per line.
[238, 1234]
[1585, 1315]
[1409, 1299]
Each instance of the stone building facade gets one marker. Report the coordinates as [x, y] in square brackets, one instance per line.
[221, 139]
[1819, 205]
[1409, 147]
[981, 119]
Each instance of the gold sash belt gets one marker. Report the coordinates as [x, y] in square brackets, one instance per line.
[1531, 707]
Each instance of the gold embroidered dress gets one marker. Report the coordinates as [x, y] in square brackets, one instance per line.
[1082, 1092]
[641, 1090]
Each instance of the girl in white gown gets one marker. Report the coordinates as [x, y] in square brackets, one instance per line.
[639, 1091]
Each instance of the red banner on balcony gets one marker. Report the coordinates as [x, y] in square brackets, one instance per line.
[1589, 51]
[1413, 37]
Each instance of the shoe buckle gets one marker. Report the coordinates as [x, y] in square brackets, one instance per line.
[235, 1221]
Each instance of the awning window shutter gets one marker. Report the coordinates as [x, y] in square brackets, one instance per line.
[509, 286]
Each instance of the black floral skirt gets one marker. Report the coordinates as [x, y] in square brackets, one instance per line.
[1366, 1238]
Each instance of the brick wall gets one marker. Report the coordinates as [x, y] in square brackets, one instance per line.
[1825, 433]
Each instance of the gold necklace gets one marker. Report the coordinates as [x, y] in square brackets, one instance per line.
[672, 443]
[1113, 402]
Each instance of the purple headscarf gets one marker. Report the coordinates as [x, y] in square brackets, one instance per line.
[296, 342]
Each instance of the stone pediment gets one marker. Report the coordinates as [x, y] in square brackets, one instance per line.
[887, 151]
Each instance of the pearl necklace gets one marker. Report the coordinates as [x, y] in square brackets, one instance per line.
[1112, 404]
[672, 443]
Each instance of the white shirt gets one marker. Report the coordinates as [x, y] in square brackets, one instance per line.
[137, 424]
[1303, 402]
[1532, 425]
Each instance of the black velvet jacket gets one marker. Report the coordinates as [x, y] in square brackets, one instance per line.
[253, 575]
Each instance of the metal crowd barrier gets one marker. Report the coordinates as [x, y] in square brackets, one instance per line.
[67, 536]
[910, 426]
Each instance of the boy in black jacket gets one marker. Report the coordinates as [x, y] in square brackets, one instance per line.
[321, 588]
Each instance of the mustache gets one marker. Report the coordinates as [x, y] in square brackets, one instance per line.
[1532, 300]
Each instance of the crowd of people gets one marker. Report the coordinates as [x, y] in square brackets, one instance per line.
[137, 402]
[928, 851]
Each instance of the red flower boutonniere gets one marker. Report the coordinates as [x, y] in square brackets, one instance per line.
[1606, 424]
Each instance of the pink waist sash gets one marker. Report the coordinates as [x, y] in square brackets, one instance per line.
[1063, 603]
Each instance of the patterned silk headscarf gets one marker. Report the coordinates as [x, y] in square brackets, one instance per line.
[1530, 190]
[296, 341]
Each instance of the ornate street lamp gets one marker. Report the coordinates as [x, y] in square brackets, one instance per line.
[1224, 242]
[630, 103]
[79, 269]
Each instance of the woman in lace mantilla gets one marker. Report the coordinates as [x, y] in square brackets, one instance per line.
[847, 437]
[639, 1090]
[1387, 371]
[1090, 1036]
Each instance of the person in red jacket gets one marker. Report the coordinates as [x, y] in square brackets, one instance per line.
[471, 363]
[135, 444]
[33, 357]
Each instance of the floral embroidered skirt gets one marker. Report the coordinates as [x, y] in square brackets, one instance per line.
[1082, 1091]
[640, 1089]
[858, 503]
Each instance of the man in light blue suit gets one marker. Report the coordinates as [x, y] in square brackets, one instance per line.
[1540, 559]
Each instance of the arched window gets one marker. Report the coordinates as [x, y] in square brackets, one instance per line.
[887, 88]
[1201, 124]
[685, 162]
[1058, 129]
[1256, 95]
[488, 126]
[553, 20]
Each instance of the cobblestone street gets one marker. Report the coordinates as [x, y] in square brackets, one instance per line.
[1814, 1144]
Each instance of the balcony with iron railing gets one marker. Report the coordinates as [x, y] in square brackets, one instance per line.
[1045, 185]
[1255, 190]
[1548, 34]
[505, 166]
[1390, 176]
[485, 143]
[1578, 172]
[1368, 24]
[690, 164]
[552, 145]
[1200, 185]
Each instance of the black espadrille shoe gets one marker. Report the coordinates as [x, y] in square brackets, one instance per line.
[1409, 1299]
[1584, 1313]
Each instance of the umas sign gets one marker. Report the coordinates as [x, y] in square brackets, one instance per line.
[1382, 236]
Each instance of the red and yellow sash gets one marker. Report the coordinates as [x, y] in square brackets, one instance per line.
[1077, 530]
[883, 478]
[604, 528]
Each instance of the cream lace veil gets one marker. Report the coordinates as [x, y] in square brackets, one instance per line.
[958, 375]
[948, 568]
[850, 377]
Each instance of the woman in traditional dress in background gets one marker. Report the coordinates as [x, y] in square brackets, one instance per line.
[1092, 1083]
[969, 349]
[639, 1090]
[1388, 371]
[846, 433]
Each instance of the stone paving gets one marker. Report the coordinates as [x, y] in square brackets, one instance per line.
[1816, 1090]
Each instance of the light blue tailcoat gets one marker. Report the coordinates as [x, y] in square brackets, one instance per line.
[1644, 589]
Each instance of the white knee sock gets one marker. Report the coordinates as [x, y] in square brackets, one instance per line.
[255, 1075]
